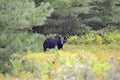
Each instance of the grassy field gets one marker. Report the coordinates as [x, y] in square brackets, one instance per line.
[74, 62]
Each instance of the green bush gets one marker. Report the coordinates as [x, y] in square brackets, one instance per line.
[112, 37]
[21, 42]
[18, 43]
[72, 39]
[96, 37]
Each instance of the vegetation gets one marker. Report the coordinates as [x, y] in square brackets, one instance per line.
[92, 50]
[17, 17]
[77, 17]
[74, 62]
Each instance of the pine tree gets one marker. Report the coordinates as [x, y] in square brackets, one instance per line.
[116, 14]
[22, 14]
[101, 14]
[65, 19]
[16, 18]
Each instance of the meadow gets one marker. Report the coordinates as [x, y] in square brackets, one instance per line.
[74, 62]
[92, 29]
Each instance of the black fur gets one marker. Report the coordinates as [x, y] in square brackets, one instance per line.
[53, 42]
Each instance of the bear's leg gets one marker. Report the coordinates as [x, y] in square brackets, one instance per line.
[60, 47]
[45, 46]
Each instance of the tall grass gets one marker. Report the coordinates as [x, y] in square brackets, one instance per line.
[74, 62]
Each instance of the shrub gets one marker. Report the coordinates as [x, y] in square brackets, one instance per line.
[96, 37]
[112, 37]
[18, 43]
[72, 39]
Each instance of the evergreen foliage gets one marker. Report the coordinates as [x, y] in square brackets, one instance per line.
[116, 14]
[22, 14]
[16, 18]
[77, 17]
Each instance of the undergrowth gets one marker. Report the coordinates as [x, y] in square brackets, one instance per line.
[74, 62]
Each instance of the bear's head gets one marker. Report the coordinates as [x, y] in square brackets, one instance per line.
[63, 40]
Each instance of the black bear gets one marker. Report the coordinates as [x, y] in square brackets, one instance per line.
[53, 42]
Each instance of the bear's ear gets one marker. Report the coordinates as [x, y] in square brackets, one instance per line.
[57, 37]
[65, 38]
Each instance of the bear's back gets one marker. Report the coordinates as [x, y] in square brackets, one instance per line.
[51, 42]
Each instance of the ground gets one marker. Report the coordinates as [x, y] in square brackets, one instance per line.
[74, 62]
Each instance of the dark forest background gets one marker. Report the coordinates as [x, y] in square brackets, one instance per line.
[77, 17]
